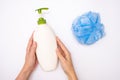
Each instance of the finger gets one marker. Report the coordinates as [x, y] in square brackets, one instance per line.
[61, 51]
[33, 48]
[62, 46]
[61, 58]
[30, 42]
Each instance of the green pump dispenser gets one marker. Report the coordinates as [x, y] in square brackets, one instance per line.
[41, 20]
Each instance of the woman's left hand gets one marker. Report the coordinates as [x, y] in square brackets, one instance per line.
[30, 60]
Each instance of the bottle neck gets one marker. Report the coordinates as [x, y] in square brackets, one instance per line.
[42, 25]
[41, 21]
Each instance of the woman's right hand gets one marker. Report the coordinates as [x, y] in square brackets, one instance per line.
[65, 60]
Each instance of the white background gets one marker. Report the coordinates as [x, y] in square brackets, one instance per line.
[100, 61]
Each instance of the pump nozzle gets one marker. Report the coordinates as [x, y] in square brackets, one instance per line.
[40, 10]
[41, 20]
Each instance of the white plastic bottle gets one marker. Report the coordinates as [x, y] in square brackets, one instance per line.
[46, 44]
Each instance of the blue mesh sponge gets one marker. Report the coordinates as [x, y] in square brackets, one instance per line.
[88, 28]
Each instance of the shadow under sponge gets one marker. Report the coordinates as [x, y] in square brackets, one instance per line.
[88, 28]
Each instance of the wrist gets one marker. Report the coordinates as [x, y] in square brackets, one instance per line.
[72, 76]
[27, 68]
[24, 74]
